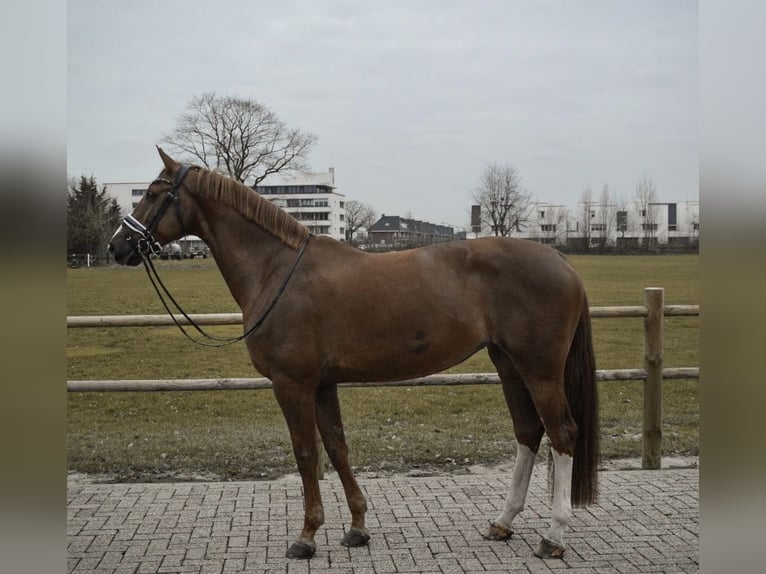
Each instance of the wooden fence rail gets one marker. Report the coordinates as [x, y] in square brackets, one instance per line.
[653, 311]
[211, 319]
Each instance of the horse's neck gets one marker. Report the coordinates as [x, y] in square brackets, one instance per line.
[250, 259]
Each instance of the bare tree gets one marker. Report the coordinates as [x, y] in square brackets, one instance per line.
[622, 223]
[606, 213]
[646, 203]
[240, 137]
[694, 226]
[587, 214]
[505, 206]
[358, 215]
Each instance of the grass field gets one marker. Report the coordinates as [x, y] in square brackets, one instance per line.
[241, 434]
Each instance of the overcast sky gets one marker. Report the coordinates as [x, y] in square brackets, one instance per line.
[410, 100]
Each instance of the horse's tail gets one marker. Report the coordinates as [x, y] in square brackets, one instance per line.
[582, 395]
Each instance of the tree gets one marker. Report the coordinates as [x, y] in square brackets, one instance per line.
[240, 137]
[605, 219]
[505, 206]
[622, 223]
[694, 225]
[587, 213]
[358, 215]
[92, 216]
[646, 203]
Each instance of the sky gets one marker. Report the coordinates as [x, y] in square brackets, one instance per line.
[410, 100]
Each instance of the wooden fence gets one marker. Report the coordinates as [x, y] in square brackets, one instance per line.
[653, 311]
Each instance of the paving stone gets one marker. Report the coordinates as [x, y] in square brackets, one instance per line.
[645, 522]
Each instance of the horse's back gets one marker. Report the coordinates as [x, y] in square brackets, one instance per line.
[472, 274]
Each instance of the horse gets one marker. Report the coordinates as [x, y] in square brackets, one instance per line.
[341, 314]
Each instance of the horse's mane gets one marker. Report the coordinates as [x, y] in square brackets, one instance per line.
[251, 205]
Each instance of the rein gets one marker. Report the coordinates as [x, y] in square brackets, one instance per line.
[147, 246]
[159, 287]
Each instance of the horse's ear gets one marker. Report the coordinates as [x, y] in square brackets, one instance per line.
[170, 164]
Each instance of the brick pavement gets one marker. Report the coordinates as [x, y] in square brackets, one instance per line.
[645, 521]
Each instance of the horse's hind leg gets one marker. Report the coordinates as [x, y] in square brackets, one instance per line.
[528, 430]
[331, 429]
[549, 397]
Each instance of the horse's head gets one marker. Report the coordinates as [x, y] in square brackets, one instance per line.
[156, 220]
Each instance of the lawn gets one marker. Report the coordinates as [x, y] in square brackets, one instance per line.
[241, 434]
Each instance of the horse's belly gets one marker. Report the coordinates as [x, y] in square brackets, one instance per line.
[388, 359]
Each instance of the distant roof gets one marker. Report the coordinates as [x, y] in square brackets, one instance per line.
[396, 223]
[326, 179]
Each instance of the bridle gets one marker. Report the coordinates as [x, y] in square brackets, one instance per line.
[147, 246]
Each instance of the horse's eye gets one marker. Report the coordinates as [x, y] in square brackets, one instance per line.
[153, 192]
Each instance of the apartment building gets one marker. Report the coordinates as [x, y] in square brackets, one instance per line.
[127, 194]
[311, 199]
[627, 226]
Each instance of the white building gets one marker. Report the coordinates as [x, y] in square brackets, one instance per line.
[127, 194]
[311, 199]
[624, 226]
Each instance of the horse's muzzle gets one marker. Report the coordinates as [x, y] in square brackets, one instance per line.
[124, 251]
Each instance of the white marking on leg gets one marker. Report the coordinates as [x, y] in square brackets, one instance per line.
[561, 512]
[522, 472]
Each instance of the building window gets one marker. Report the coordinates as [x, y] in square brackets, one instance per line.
[649, 226]
[598, 227]
[672, 227]
[643, 213]
[548, 227]
[542, 215]
[342, 217]
[342, 204]
[137, 192]
[310, 216]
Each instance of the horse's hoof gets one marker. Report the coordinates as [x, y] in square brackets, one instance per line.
[548, 549]
[497, 532]
[301, 551]
[355, 537]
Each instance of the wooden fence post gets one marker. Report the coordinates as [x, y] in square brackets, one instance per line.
[654, 298]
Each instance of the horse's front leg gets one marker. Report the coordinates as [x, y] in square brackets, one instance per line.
[298, 405]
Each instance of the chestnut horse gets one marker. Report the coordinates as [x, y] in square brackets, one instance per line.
[341, 314]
